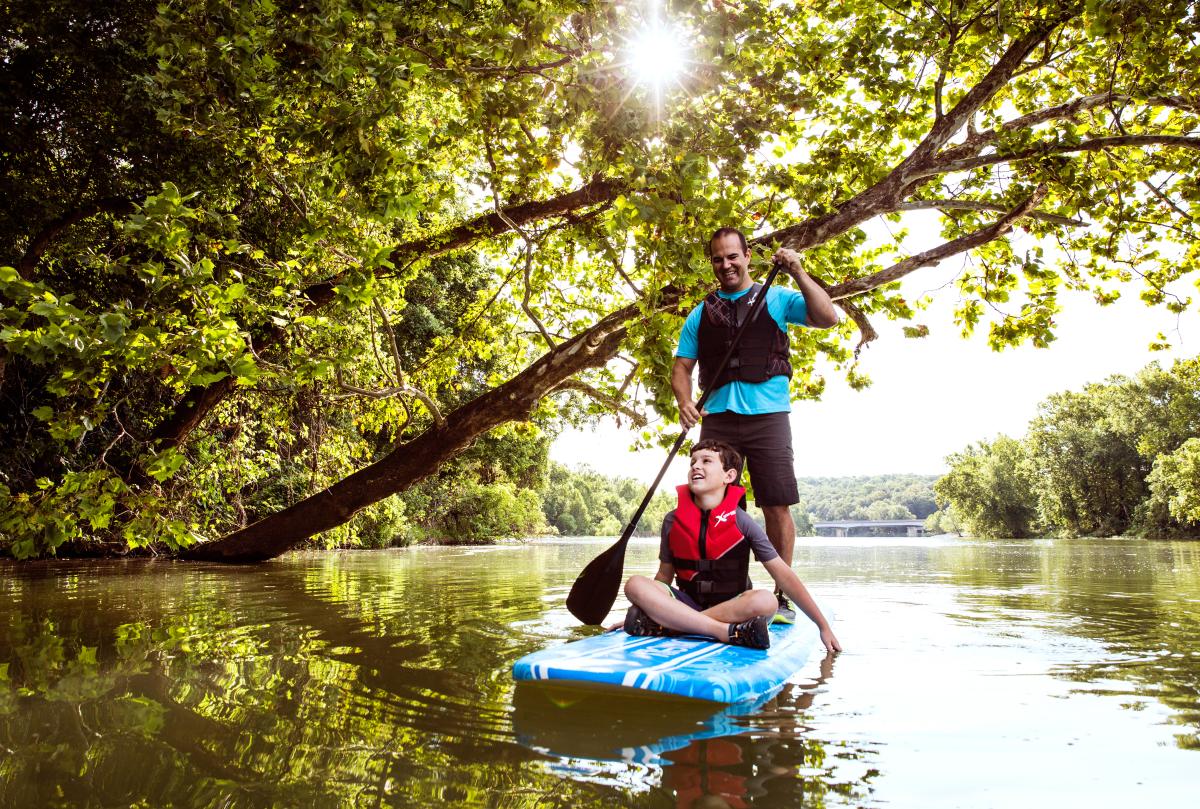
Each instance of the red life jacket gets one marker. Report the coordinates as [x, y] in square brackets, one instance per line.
[709, 552]
[709, 767]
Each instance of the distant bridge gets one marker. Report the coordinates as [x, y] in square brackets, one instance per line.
[846, 528]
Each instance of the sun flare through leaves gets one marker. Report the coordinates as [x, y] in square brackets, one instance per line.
[656, 57]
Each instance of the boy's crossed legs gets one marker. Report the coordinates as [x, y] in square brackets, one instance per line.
[742, 619]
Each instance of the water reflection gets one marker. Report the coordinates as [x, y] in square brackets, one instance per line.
[382, 679]
[315, 682]
[703, 754]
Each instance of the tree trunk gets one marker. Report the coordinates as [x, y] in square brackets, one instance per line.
[512, 401]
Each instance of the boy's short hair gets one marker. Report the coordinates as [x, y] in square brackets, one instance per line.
[730, 458]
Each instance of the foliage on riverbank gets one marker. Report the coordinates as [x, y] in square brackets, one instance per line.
[1117, 457]
[266, 266]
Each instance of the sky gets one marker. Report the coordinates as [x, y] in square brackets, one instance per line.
[932, 396]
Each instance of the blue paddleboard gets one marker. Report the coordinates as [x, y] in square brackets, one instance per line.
[685, 666]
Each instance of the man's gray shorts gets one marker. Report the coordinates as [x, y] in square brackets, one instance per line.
[765, 442]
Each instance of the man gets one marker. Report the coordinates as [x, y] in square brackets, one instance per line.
[750, 403]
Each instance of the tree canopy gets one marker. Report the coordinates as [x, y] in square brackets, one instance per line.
[339, 242]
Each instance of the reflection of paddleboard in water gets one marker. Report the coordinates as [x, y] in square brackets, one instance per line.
[686, 666]
[615, 725]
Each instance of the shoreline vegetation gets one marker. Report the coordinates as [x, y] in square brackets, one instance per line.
[1117, 458]
[274, 275]
[580, 502]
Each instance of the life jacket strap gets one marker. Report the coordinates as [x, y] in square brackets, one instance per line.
[706, 565]
[706, 587]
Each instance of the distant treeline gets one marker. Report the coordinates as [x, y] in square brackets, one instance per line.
[585, 503]
[1119, 457]
[877, 497]
[506, 486]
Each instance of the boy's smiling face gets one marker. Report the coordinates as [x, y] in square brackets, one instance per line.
[706, 474]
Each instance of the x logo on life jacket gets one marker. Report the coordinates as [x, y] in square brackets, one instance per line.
[721, 518]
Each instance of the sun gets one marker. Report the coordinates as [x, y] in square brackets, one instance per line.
[657, 56]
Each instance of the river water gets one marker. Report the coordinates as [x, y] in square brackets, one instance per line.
[975, 674]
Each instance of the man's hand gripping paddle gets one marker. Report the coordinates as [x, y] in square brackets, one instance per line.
[595, 590]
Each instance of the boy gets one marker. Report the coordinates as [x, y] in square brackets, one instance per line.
[706, 545]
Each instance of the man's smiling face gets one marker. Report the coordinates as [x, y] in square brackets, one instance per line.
[730, 263]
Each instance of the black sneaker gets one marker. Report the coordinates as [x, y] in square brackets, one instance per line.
[786, 613]
[753, 633]
[637, 622]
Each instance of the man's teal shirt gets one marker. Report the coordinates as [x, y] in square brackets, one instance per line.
[749, 398]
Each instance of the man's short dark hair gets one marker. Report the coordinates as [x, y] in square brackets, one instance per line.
[721, 233]
[730, 458]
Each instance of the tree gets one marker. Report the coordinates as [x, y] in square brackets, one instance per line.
[582, 502]
[1089, 478]
[942, 522]
[220, 212]
[989, 490]
[1110, 459]
[1175, 483]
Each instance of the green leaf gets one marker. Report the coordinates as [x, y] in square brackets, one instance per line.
[113, 326]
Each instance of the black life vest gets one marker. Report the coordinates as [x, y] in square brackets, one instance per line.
[709, 552]
[762, 353]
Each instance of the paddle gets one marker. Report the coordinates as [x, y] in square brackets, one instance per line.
[595, 590]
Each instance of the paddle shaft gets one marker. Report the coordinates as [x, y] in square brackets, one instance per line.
[602, 576]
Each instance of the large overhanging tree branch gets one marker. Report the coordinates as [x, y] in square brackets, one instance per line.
[42, 241]
[843, 293]
[899, 182]
[1093, 145]
[512, 401]
[614, 403]
[978, 205]
[949, 125]
[198, 402]
[929, 258]
[1065, 111]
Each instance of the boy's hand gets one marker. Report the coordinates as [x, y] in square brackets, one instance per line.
[831, 642]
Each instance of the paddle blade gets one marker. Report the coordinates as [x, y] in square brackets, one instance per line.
[594, 592]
